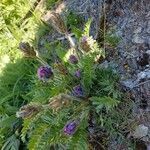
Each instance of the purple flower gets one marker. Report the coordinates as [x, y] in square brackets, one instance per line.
[78, 73]
[77, 91]
[71, 127]
[84, 39]
[73, 59]
[44, 73]
[85, 43]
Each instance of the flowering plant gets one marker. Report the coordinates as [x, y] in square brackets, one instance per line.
[75, 89]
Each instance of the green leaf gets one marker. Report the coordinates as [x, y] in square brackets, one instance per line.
[8, 121]
[38, 139]
[78, 141]
[60, 51]
[12, 143]
[88, 72]
[103, 102]
[28, 126]
[87, 28]
[78, 33]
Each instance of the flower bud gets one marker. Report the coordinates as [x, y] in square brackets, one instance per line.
[71, 127]
[78, 73]
[56, 21]
[77, 91]
[44, 73]
[61, 68]
[73, 59]
[27, 50]
[86, 43]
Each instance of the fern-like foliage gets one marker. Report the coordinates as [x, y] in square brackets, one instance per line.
[28, 126]
[79, 141]
[12, 143]
[46, 129]
[103, 102]
[88, 72]
[106, 83]
[87, 28]
[39, 137]
[59, 85]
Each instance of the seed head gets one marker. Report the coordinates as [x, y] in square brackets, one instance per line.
[61, 68]
[56, 21]
[86, 43]
[28, 111]
[27, 50]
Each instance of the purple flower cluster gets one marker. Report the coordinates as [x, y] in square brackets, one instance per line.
[77, 91]
[71, 127]
[73, 59]
[44, 73]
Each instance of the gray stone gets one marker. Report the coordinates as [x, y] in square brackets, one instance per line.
[143, 75]
[138, 30]
[140, 131]
[148, 52]
[137, 39]
[104, 64]
[148, 27]
[130, 84]
[148, 147]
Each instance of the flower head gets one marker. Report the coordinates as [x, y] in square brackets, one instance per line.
[71, 127]
[73, 59]
[86, 43]
[77, 91]
[84, 39]
[26, 49]
[44, 73]
[78, 73]
[61, 68]
[56, 21]
[28, 111]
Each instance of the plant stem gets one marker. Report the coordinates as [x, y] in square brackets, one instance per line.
[42, 61]
[71, 41]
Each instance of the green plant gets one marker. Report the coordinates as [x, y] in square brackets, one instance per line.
[112, 39]
[15, 82]
[55, 112]
[16, 73]
[49, 4]
[67, 98]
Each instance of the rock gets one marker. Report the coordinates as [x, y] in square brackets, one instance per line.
[133, 28]
[129, 84]
[137, 39]
[148, 52]
[143, 75]
[104, 64]
[148, 27]
[91, 130]
[148, 147]
[138, 30]
[140, 131]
